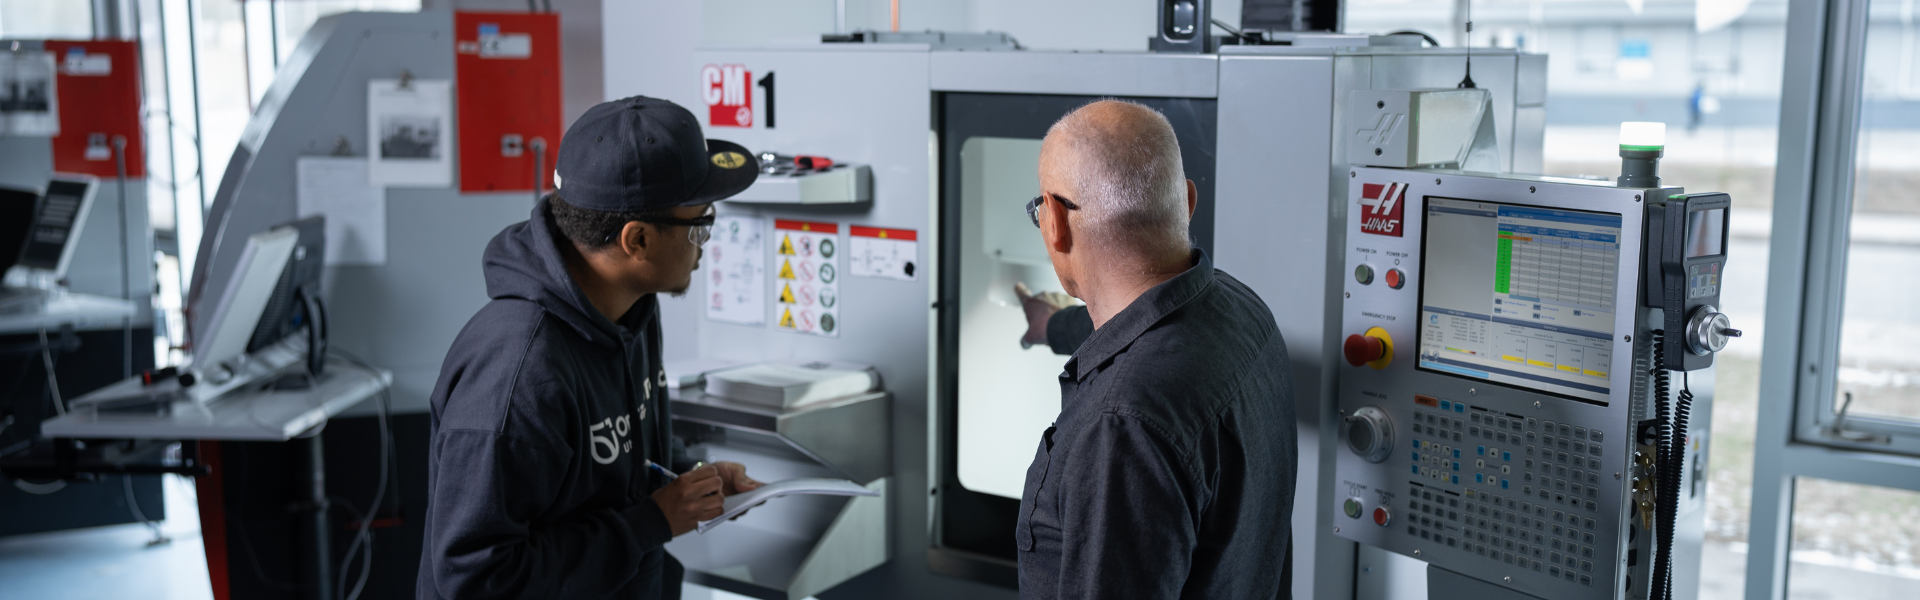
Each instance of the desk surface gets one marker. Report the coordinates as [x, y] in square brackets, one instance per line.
[84, 311]
[243, 415]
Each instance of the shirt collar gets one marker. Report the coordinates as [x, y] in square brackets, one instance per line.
[1145, 311]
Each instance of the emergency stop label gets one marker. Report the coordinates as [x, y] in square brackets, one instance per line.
[728, 93]
[1381, 208]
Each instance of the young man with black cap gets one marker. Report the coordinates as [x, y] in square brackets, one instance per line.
[550, 407]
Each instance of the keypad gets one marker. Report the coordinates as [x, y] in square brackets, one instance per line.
[1511, 489]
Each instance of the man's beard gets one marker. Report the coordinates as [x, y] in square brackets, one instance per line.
[682, 290]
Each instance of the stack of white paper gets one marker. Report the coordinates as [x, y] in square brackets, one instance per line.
[790, 384]
[692, 372]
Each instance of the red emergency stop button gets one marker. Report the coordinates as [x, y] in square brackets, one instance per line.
[1362, 349]
[1381, 517]
[1395, 278]
[1373, 348]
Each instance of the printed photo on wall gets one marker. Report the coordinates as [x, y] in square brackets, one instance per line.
[28, 105]
[407, 127]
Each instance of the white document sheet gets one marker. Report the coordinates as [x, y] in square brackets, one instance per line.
[356, 211]
[409, 133]
[739, 503]
[737, 271]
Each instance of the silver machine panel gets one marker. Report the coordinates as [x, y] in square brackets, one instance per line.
[1498, 436]
[1280, 182]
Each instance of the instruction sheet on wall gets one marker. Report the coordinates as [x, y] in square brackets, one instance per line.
[883, 253]
[737, 275]
[807, 276]
[356, 211]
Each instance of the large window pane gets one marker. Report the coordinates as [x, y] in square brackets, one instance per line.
[1713, 76]
[1855, 542]
[1880, 327]
[293, 19]
[46, 19]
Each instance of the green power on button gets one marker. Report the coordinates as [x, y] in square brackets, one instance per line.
[1353, 508]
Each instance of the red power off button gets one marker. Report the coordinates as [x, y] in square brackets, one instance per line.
[1395, 278]
[1381, 517]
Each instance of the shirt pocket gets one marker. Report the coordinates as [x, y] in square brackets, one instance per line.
[1030, 493]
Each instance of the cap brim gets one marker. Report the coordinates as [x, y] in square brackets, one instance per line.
[731, 169]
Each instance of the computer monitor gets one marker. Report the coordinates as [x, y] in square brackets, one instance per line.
[1520, 295]
[57, 223]
[16, 217]
[249, 290]
[296, 302]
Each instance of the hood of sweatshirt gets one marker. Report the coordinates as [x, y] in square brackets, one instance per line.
[524, 262]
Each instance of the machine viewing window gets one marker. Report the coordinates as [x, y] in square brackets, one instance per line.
[1706, 232]
[1520, 295]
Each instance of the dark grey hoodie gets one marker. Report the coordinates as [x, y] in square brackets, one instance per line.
[542, 419]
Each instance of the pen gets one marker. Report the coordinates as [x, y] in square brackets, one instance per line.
[662, 470]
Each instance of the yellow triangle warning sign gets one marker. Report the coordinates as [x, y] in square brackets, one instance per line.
[786, 294]
[786, 246]
[786, 270]
[786, 318]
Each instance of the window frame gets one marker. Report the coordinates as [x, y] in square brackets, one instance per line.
[1816, 419]
[1820, 105]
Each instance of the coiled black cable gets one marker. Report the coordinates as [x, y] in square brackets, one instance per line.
[1670, 460]
[1660, 587]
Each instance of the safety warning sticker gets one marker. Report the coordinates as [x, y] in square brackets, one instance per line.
[806, 276]
[737, 271]
[885, 253]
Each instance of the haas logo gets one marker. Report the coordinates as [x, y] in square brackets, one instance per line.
[1381, 207]
[727, 92]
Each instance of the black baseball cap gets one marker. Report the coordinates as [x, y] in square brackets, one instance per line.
[644, 154]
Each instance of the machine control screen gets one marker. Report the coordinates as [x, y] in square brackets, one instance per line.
[1520, 295]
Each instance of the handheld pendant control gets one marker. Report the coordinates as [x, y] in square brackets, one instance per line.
[1686, 255]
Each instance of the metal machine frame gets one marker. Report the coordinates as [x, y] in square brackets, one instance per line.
[1279, 176]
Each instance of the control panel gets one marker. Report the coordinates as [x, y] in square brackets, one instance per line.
[1494, 391]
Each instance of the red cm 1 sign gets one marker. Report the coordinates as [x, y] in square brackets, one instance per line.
[728, 92]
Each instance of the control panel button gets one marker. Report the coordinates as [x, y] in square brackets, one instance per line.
[1373, 348]
[1353, 508]
[1381, 517]
[1363, 274]
[1395, 279]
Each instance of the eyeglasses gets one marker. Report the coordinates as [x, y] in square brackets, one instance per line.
[699, 229]
[1033, 206]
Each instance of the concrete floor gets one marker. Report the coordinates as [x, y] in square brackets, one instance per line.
[115, 562]
[112, 562]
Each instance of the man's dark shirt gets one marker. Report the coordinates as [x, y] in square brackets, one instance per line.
[1170, 471]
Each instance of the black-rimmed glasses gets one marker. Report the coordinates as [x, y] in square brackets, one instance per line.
[1033, 206]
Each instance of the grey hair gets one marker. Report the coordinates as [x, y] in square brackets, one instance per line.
[1127, 178]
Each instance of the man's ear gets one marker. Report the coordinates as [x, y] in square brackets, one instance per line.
[1193, 198]
[636, 238]
[1053, 228]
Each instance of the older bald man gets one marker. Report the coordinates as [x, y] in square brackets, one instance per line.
[1169, 472]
